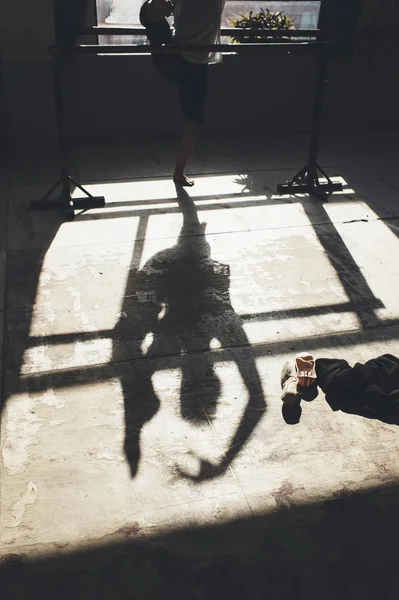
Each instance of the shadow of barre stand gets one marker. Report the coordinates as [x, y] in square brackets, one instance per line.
[307, 180]
[65, 203]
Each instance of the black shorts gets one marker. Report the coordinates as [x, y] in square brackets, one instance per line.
[193, 88]
[192, 81]
[191, 78]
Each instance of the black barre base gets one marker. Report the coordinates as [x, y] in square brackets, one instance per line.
[307, 181]
[65, 203]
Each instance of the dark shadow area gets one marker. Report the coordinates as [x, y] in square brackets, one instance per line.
[342, 548]
[176, 305]
[24, 267]
[30, 235]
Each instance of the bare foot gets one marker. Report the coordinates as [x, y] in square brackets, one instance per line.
[181, 179]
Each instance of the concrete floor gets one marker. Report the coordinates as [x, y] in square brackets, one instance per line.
[144, 450]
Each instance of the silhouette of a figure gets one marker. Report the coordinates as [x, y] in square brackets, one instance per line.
[177, 304]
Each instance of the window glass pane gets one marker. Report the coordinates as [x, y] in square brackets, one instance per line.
[118, 12]
[126, 12]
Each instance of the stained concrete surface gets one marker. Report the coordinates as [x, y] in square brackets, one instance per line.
[144, 450]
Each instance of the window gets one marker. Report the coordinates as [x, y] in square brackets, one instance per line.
[305, 13]
[126, 12]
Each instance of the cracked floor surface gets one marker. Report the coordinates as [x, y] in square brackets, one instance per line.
[144, 452]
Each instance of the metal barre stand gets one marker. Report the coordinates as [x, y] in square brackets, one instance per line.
[65, 203]
[306, 181]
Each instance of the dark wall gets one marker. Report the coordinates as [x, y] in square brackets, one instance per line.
[116, 98]
[123, 97]
[112, 98]
[3, 121]
[29, 107]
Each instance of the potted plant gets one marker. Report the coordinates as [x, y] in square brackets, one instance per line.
[264, 19]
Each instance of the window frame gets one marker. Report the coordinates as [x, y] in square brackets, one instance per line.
[138, 31]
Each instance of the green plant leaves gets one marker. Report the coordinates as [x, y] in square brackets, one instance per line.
[264, 19]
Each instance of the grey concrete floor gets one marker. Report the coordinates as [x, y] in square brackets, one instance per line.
[144, 450]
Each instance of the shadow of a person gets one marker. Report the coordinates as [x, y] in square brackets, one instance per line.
[181, 302]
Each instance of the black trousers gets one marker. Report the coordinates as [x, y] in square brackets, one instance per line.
[371, 389]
